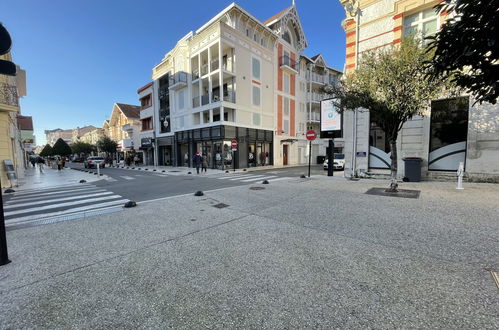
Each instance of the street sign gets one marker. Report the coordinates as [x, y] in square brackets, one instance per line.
[233, 144]
[311, 135]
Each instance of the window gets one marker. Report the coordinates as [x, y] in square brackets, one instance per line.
[256, 119]
[256, 95]
[286, 126]
[255, 37]
[181, 99]
[285, 80]
[256, 68]
[424, 23]
[287, 37]
[247, 32]
[286, 106]
[263, 43]
[147, 124]
[145, 102]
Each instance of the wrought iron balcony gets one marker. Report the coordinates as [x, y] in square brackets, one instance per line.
[289, 65]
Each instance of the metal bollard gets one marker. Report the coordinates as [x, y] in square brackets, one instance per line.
[460, 173]
[98, 169]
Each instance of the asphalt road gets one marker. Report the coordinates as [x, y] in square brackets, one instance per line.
[147, 185]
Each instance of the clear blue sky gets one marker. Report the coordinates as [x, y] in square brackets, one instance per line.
[82, 56]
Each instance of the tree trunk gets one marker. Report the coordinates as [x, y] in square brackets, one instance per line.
[393, 166]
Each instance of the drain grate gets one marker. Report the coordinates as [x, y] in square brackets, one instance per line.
[220, 205]
[257, 188]
[403, 193]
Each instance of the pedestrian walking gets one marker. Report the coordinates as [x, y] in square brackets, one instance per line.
[59, 164]
[40, 163]
[204, 164]
[63, 161]
[135, 160]
[33, 162]
[197, 160]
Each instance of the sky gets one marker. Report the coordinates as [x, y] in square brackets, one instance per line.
[82, 56]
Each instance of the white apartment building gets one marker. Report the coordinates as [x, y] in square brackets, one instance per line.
[235, 78]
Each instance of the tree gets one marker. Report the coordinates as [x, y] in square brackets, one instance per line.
[107, 145]
[61, 148]
[393, 85]
[46, 151]
[82, 148]
[466, 48]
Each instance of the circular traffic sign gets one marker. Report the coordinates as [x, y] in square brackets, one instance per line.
[311, 135]
[233, 144]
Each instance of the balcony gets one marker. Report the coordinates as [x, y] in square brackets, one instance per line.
[205, 99]
[316, 78]
[195, 74]
[204, 69]
[230, 96]
[314, 117]
[195, 102]
[9, 97]
[215, 65]
[127, 128]
[178, 80]
[288, 65]
[316, 97]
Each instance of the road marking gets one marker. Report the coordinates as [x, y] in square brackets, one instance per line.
[68, 211]
[264, 178]
[251, 177]
[51, 191]
[42, 196]
[127, 177]
[109, 179]
[54, 206]
[14, 205]
[233, 176]
[281, 178]
[495, 276]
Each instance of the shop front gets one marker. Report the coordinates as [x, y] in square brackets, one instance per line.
[254, 147]
[165, 147]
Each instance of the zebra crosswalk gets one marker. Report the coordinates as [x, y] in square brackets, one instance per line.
[249, 178]
[38, 204]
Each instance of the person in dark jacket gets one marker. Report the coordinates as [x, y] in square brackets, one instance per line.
[204, 165]
[197, 160]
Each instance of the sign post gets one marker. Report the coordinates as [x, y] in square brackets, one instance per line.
[331, 127]
[311, 135]
[233, 145]
[4, 255]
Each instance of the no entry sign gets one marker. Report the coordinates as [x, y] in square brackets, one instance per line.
[233, 144]
[311, 135]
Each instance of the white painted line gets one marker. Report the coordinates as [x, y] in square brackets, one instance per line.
[52, 191]
[234, 176]
[68, 211]
[54, 206]
[109, 179]
[127, 177]
[71, 185]
[281, 178]
[251, 178]
[264, 178]
[37, 197]
[11, 206]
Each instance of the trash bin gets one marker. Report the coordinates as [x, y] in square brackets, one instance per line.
[413, 169]
[321, 159]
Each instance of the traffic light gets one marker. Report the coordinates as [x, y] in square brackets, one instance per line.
[6, 67]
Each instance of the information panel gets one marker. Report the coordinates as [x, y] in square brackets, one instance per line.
[331, 119]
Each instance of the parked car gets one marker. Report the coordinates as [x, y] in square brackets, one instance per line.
[78, 159]
[338, 164]
[93, 161]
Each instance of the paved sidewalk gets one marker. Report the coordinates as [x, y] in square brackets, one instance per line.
[34, 179]
[305, 253]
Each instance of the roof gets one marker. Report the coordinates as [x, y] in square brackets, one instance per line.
[25, 123]
[276, 16]
[143, 88]
[313, 58]
[129, 110]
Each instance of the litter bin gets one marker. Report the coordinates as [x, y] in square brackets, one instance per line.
[321, 159]
[413, 169]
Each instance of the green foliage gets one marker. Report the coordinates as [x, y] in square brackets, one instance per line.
[466, 48]
[82, 148]
[105, 144]
[61, 148]
[393, 85]
[46, 151]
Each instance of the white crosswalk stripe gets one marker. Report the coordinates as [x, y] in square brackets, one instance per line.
[127, 177]
[52, 202]
[251, 177]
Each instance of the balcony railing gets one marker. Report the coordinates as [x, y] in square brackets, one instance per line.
[204, 69]
[313, 117]
[316, 78]
[215, 65]
[205, 99]
[317, 97]
[178, 78]
[195, 102]
[230, 96]
[8, 95]
[287, 61]
[195, 74]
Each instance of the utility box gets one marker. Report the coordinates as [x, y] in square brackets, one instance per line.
[413, 168]
[10, 170]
